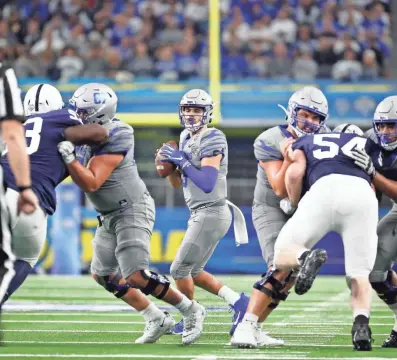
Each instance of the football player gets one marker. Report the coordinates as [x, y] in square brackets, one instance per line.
[340, 199]
[306, 115]
[384, 132]
[202, 161]
[11, 133]
[46, 125]
[109, 176]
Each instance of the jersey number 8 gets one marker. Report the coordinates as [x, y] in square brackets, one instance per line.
[333, 148]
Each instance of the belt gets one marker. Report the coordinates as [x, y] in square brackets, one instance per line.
[220, 202]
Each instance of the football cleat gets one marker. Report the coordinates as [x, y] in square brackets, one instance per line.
[178, 328]
[263, 339]
[361, 337]
[239, 308]
[155, 328]
[245, 335]
[309, 270]
[391, 341]
[193, 324]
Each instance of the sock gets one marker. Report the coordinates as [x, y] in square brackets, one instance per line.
[22, 270]
[248, 317]
[301, 256]
[361, 316]
[229, 295]
[184, 305]
[151, 312]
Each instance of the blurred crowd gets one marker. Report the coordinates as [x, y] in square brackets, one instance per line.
[168, 39]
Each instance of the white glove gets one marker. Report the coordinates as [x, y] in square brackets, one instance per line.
[287, 207]
[66, 149]
[363, 161]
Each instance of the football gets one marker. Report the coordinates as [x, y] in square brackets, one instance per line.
[165, 169]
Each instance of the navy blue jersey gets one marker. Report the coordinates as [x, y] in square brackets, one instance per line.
[43, 132]
[329, 154]
[386, 163]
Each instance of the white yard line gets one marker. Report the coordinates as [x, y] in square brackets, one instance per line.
[297, 344]
[185, 356]
[275, 324]
[289, 334]
[149, 356]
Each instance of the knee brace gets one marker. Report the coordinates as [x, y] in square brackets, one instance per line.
[386, 290]
[277, 286]
[113, 285]
[282, 295]
[155, 280]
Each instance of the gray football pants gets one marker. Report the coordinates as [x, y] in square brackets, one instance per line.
[387, 246]
[123, 239]
[205, 228]
[268, 222]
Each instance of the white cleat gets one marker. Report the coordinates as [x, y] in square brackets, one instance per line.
[193, 324]
[263, 339]
[245, 335]
[156, 328]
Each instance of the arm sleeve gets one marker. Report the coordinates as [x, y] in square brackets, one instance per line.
[213, 143]
[120, 141]
[266, 150]
[10, 96]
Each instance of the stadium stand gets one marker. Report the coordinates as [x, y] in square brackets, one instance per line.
[123, 39]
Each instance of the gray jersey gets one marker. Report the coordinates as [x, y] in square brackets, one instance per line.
[207, 143]
[267, 148]
[124, 186]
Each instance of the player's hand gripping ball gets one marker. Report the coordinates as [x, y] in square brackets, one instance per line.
[163, 168]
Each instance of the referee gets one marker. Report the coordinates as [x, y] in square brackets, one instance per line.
[13, 135]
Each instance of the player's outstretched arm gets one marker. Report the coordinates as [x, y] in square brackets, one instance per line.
[90, 134]
[89, 178]
[294, 176]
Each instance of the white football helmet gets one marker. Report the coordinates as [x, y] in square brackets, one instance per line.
[386, 113]
[94, 103]
[311, 99]
[196, 98]
[42, 98]
[348, 129]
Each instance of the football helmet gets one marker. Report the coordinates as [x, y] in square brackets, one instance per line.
[200, 99]
[311, 99]
[386, 113]
[94, 103]
[42, 98]
[348, 129]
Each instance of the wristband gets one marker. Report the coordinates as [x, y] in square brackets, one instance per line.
[23, 188]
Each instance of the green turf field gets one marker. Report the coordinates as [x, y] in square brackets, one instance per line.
[72, 317]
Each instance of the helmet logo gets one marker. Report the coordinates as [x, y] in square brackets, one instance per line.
[99, 98]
